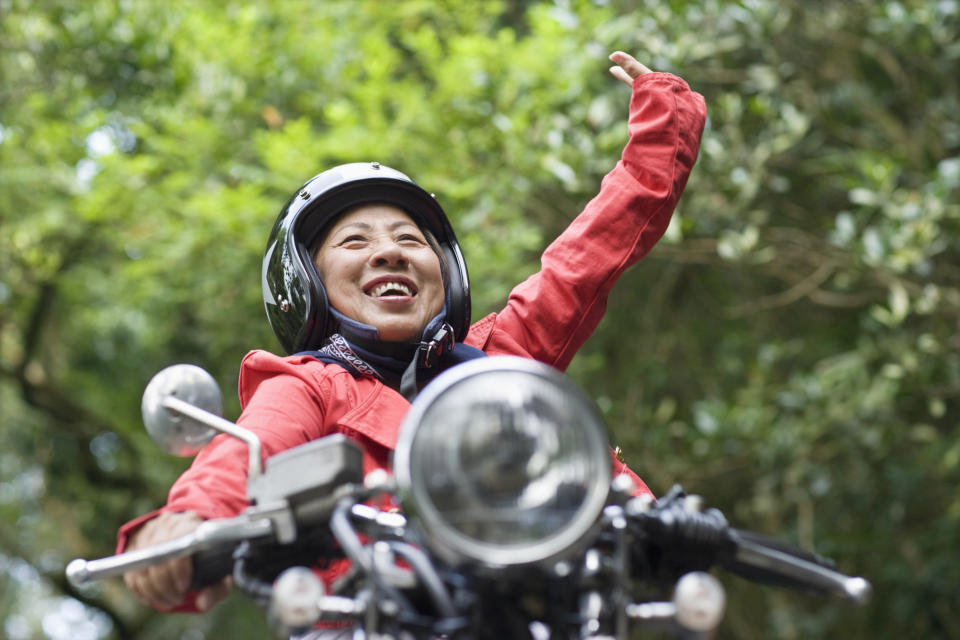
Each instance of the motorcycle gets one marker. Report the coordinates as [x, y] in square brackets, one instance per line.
[500, 520]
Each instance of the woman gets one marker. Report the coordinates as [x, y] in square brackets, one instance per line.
[364, 282]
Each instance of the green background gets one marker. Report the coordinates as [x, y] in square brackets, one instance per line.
[790, 350]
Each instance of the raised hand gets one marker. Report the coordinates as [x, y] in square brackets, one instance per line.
[627, 68]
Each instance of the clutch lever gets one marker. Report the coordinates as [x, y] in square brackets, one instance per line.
[681, 529]
[777, 564]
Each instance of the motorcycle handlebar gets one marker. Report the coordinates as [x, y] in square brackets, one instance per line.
[779, 565]
[675, 525]
[209, 535]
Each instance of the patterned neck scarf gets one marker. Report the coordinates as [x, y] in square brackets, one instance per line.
[339, 350]
[399, 366]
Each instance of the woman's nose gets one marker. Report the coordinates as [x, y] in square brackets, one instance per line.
[388, 253]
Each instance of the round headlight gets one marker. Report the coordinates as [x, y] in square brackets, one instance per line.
[502, 461]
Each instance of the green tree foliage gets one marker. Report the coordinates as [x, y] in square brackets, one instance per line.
[791, 350]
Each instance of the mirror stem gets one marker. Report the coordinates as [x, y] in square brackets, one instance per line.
[255, 464]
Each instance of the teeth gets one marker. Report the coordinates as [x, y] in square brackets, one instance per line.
[381, 289]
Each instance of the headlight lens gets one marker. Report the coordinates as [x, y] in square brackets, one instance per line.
[502, 461]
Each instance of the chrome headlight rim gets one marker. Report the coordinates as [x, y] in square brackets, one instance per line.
[458, 548]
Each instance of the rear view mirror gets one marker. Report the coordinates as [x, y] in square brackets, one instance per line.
[173, 432]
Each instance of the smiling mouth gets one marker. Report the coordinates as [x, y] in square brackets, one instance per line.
[391, 289]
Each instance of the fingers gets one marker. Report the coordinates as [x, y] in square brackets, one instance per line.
[165, 585]
[162, 586]
[627, 69]
[210, 596]
[621, 75]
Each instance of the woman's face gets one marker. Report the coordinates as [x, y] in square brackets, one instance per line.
[378, 269]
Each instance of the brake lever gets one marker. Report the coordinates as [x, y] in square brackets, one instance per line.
[209, 534]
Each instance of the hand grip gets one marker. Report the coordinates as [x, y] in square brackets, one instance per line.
[210, 566]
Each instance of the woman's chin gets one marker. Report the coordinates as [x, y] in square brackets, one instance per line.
[400, 327]
[393, 333]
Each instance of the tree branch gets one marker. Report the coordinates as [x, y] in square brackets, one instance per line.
[800, 290]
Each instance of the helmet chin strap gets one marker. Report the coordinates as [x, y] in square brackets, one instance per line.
[427, 355]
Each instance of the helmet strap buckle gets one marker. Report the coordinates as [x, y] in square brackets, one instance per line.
[440, 343]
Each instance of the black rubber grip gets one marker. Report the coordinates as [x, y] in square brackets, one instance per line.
[211, 566]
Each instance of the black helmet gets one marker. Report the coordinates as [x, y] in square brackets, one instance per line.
[293, 294]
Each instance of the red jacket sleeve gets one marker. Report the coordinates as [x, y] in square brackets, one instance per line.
[286, 410]
[551, 314]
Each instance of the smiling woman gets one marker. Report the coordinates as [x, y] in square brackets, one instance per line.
[297, 298]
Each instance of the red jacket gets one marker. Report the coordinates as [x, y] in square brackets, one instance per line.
[288, 401]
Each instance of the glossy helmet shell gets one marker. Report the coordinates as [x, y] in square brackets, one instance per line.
[293, 294]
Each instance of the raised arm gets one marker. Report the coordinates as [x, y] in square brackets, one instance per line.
[551, 314]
